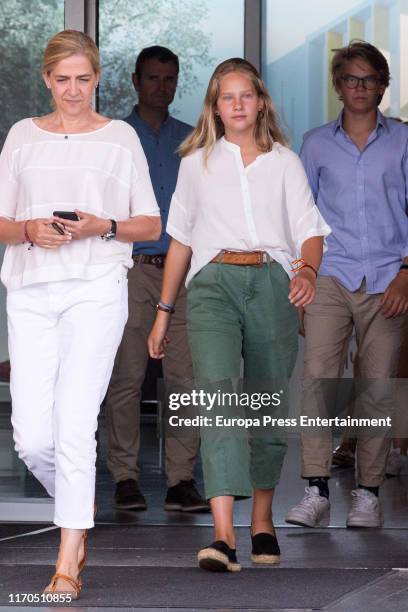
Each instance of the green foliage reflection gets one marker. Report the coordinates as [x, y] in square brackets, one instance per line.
[126, 26]
[25, 27]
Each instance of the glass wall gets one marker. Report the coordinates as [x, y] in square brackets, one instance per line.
[194, 29]
[25, 28]
[298, 42]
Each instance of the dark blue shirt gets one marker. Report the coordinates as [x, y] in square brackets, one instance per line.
[160, 150]
[363, 197]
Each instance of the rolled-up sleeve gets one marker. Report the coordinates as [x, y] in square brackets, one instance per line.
[142, 198]
[179, 223]
[305, 218]
[8, 179]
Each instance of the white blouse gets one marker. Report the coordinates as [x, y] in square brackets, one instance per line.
[103, 172]
[265, 206]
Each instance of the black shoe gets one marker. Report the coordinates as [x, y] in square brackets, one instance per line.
[184, 496]
[128, 496]
[218, 557]
[265, 548]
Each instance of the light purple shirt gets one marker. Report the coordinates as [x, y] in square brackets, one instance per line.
[363, 196]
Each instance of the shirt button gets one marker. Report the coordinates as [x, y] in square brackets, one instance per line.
[162, 187]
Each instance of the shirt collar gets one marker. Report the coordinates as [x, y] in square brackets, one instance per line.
[381, 120]
[145, 127]
[229, 145]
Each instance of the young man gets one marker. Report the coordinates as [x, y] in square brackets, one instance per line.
[358, 170]
[155, 81]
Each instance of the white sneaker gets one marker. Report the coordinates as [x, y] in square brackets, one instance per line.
[365, 510]
[395, 463]
[312, 511]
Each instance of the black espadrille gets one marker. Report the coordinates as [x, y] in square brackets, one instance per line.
[265, 548]
[218, 557]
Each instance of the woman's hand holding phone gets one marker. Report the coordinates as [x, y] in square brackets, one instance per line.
[42, 234]
[85, 226]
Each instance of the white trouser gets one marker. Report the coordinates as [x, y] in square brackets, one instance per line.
[63, 338]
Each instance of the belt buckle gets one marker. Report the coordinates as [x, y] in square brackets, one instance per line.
[158, 261]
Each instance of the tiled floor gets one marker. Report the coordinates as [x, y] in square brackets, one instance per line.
[156, 538]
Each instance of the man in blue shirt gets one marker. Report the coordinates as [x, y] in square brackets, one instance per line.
[357, 167]
[155, 81]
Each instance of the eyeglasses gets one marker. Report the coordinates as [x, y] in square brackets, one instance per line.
[352, 82]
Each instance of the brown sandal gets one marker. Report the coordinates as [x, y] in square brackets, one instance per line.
[76, 586]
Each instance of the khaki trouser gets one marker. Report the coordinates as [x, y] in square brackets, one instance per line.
[124, 394]
[329, 322]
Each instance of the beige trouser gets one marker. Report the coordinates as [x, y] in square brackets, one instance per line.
[123, 399]
[329, 323]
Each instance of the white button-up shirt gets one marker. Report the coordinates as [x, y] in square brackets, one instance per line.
[265, 206]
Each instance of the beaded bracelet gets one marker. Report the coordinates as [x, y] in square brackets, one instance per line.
[26, 235]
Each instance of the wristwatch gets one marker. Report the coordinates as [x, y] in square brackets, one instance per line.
[110, 234]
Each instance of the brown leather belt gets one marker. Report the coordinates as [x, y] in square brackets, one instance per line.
[154, 260]
[242, 258]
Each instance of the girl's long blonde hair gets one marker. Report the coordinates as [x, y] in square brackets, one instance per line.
[210, 127]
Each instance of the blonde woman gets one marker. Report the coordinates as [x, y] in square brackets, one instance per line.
[66, 280]
[241, 213]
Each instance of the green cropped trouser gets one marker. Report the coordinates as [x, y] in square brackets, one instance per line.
[236, 312]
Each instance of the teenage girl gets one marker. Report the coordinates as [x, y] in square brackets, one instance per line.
[242, 212]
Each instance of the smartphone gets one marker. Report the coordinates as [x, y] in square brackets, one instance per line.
[66, 214]
[58, 228]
